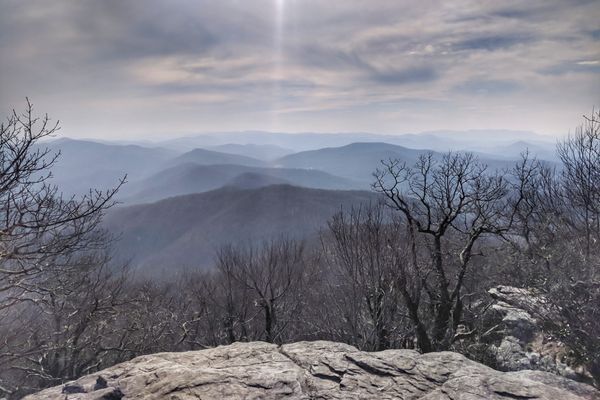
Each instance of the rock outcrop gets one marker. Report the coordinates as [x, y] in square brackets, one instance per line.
[313, 370]
[523, 344]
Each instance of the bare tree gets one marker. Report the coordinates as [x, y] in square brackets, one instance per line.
[69, 331]
[449, 204]
[558, 221]
[49, 272]
[580, 157]
[199, 310]
[274, 274]
[39, 228]
[231, 296]
[361, 253]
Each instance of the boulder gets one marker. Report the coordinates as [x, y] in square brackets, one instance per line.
[514, 305]
[314, 370]
[523, 344]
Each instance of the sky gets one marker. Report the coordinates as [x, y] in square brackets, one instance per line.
[117, 69]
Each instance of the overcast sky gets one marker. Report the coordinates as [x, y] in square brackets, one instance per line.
[144, 68]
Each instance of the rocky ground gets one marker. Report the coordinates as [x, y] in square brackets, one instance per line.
[313, 370]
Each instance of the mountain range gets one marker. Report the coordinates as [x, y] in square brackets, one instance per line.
[182, 201]
[190, 178]
[434, 140]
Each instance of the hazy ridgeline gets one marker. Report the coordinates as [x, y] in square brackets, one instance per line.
[257, 241]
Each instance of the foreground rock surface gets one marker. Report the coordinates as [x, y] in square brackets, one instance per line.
[313, 370]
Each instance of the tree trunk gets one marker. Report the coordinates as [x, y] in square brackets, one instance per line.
[444, 309]
[269, 321]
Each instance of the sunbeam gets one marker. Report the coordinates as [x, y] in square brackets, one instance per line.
[278, 55]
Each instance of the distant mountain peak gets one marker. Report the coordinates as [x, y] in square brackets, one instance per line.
[205, 157]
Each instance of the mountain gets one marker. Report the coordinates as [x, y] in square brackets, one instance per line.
[475, 136]
[85, 164]
[295, 141]
[191, 178]
[209, 157]
[544, 151]
[186, 230]
[265, 152]
[253, 180]
[358, 161]
[355, 161]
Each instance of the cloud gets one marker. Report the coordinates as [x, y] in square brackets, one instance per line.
[184, 65]
[595, 34]
[415, 75]
[573, 67]
[487, 87]
[493, 42]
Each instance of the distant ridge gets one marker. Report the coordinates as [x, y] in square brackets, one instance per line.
[264, 152]
[354, 161]
[439, 140]
[186, 230]
[84, 164]
[208, 157]
[191, 178]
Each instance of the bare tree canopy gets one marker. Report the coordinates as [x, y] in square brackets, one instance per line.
[580, 157]
[450, 203]
[39, 229]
